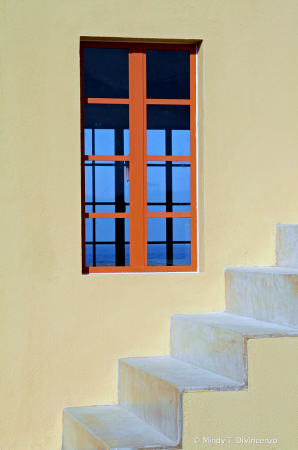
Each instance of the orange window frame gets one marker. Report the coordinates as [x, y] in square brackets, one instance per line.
[138, 158]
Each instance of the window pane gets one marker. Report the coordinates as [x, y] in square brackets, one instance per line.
[156, 247]
[105, 255]
[168, 74]
[104, 141]
[106, 186]
[168, 130]
[156, 254]
[156, 229]
[107, 242]
[88, 141]
[181, 229]
[156, 183]
[156, 208]
[180, 185]
[106, 129]
[168, 242]
[105, 73]
[181, 142]
[89, 230]
[89, 255]
[168, 186]
[156, 142]
[181, 255]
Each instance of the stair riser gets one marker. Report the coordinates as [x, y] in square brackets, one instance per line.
[263, 296]
[76, 437]
[211, 348]
[287, 246]
[150, 398]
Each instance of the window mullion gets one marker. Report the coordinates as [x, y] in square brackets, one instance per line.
[136, 127]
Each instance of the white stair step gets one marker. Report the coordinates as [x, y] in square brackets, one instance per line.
[109, 427]
[264, 293]
[151, 388]
[287, 245]
[218, 341]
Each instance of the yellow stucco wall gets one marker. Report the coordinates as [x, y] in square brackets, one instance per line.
[61, 333]
[267, 410]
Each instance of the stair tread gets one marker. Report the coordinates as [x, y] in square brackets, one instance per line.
[183, 375]
[116, 427]
[247, 326]
[265, 269]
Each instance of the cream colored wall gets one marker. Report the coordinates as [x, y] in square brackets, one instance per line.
[61, 333]
[267, 410]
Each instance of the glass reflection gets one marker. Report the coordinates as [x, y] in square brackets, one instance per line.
[107, 242]
[106, 130]
[106, 186]
[163, 117]
[168, 74]
[168, 186]
[168, 130]
[181, 142]
[105, 73]
[168, 242]
[156, 142]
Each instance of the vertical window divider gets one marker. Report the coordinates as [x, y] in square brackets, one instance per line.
[136, 126]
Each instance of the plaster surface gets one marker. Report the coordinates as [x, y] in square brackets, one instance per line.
[109, 427]
[264, 293]
[152, 388]
[287, 245]
[267, 410]
[218, 341]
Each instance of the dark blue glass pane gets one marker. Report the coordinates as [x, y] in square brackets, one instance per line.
[105, 230]
[178, 142]
[105, 254]
[156, 142]
[106, 129]
[181, 229]
[181, 255]
[156, 229]
[167, 118]
[181, 142]
[89, 208]
[89, 230]
[156, 183]
[101, 141]
[88, 141]
[168, 185]
[168, 241]
[156, 208]
[156, 254]
[127, 254]
[105, 182]
[108, 242]
[89, 255]
[181, 183]
[88, 184]
[104, 208]
[106, 186]
[105, 73]
[168, 74]
[181, 208]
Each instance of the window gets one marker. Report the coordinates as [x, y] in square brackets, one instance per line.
[138, 110]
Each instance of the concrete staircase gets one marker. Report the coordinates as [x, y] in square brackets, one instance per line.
[208, 352]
